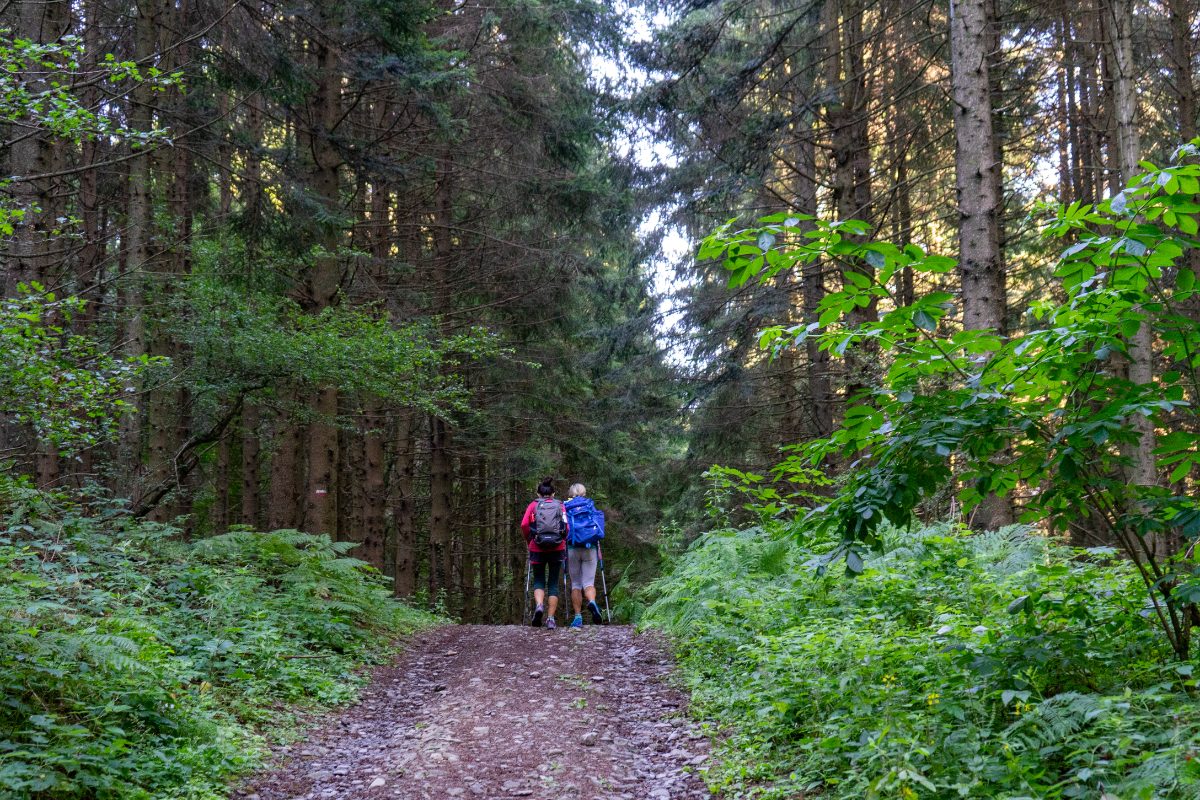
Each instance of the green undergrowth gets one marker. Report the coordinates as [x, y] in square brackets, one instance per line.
[995, 665]
[134, 665]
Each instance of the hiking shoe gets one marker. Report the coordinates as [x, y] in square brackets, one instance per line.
[551, 624]
[577, 622]
[538, 613]
[596, 616]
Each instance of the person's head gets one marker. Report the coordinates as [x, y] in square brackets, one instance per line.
[577, 490]
[546, 487]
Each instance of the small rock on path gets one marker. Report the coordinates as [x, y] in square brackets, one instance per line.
[461, 714]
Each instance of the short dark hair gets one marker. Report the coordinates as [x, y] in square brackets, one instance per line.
[546, 487]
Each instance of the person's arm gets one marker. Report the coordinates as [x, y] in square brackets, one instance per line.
[528, 519]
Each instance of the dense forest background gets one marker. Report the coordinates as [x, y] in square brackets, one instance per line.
[379, 257]
[853, 110]
[369, 269]
[902, 289]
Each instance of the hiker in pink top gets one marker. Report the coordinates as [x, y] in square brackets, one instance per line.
[545, 529]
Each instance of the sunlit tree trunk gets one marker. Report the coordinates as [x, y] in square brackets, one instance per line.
[980, 267]
[1119, 24]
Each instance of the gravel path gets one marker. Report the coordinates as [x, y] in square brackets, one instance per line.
[505, 712]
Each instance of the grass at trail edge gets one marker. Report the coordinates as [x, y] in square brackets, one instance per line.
[958, 665]
[136, 666]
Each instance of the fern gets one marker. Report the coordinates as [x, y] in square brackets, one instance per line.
[847, 688]
[133, 665]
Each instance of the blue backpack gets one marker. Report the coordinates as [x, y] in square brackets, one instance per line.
[586, 522]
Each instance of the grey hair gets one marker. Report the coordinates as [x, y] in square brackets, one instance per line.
[577, 490]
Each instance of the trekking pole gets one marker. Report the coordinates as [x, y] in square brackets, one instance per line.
[568, 610]
[603, 581]
[528, 578]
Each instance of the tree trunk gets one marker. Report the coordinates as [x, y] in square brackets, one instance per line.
[847, 113]
[35, 248]
[403, 506]
[137, 236]
[320, 512]
[167, 418]
[1141, 470]
[472, 538]
[441, 492]
[221, 473]
[1074, 112]
[251, 497]
[1182, 49]
[820, 390]
[286, 468]
[374, 476]
[980, 267]
[441, 470]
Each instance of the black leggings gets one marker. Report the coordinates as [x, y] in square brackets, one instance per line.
[539, 574]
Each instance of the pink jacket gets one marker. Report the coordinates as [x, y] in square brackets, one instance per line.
[526, 521]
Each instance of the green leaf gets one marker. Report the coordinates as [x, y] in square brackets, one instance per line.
[1185, 279]
[923, 320]
[1020, 604]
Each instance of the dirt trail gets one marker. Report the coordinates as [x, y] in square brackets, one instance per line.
[505, 712]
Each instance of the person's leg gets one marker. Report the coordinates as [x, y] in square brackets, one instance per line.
[588, 581]
[555, 571]
[574, 566]
[539, 591]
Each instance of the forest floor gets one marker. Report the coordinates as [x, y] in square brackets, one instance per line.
[504, 712]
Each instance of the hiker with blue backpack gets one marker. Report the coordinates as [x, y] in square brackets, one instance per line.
[585, 529]
[545, 528]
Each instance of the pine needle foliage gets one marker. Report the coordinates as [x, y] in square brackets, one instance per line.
[994, 665]
[134, 665]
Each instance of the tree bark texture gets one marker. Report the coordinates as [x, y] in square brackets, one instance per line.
[1119, 24]
[404, 506]
[321, 491]
[977, 182]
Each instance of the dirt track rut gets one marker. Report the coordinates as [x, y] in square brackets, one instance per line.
[505, 712]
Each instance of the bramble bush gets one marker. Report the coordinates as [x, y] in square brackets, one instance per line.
[997, 665]
[135, 665]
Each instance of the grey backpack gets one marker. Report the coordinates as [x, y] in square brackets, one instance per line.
[548, 524]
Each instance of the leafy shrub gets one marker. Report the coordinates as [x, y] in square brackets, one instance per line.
[995, 665]
[134, 665]
[1055, 407]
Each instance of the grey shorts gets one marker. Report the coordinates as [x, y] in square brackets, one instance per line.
[581, 563]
